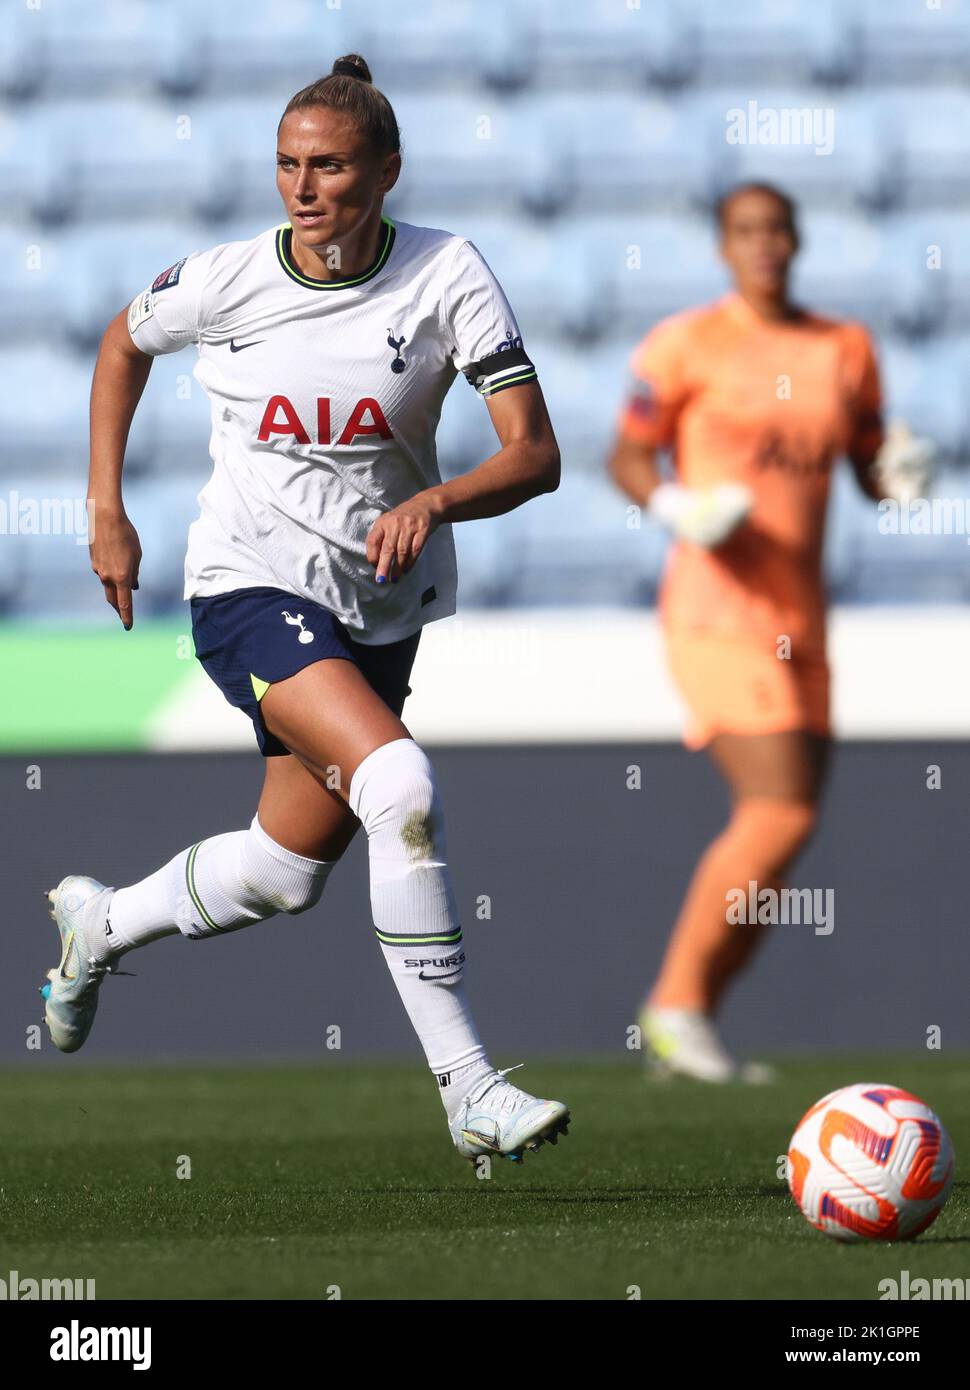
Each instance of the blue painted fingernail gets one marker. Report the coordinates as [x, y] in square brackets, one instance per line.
[381, 579]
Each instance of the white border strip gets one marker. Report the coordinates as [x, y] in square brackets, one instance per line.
[598, 675]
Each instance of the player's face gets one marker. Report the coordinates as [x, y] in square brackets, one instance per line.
[328, 177]
[758, 242]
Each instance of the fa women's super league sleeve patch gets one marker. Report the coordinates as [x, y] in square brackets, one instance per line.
[143, 307]
[168, 277]
[641, 400]
[509, 366]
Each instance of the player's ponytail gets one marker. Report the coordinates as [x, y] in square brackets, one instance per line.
[350, 87]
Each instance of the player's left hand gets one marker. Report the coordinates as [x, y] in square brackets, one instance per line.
[905, 465]
[397, 538]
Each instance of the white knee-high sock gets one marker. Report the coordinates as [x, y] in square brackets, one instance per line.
[393, 792]
[218, 885]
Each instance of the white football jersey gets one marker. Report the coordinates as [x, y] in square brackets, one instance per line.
[325, 399]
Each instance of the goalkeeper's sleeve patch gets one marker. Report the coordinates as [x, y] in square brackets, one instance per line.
[501, 369]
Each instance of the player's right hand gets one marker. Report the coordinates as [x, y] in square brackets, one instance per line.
[702, 516]
[115, 556]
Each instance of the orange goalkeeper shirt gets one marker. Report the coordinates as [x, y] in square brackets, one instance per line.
[738, 398]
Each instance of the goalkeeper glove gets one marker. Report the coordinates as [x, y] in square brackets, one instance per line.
[905, 466]
[703, 516]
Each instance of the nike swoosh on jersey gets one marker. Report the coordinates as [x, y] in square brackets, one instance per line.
[238, 347]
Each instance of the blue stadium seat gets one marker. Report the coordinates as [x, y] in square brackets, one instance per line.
[31, 184]
[613, 151]
[846, 269]
[929, 265]
[866, 564]
[175, 414]
[162, 509]
[440, 44]
[765, 41]
[578, 546]
[627, 272]
[14, 558]
[43, 409]
[44, 415]
[892, 566]
[934, 238]
[607, 42]
[485, 151]
[124, 159]
[34, 271]
[465, 435]
[929, 136]
[584, 387]
[104, 46]
[928, 385]
[528, 259]
[58, 584]
[488, 555]
[900, 40]
[54, 573]
[52, 568]
[279, 47]
[22, 51]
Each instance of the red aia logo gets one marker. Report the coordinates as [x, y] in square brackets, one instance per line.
[366, 418]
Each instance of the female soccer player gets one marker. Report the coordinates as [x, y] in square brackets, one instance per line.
[324, 544]
[757, 398]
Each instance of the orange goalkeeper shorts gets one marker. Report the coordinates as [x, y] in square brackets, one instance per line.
[732, 685]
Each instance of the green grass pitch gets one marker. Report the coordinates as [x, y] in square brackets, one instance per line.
[304, 1179]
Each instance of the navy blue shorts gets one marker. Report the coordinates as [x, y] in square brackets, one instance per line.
[250, 638]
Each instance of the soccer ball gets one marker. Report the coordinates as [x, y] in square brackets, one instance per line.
[870, 1162]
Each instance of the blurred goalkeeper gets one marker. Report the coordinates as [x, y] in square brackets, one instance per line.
[756, 398]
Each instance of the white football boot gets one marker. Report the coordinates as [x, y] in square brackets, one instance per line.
[495, 1117]
[78, 906]
[684, 1042]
